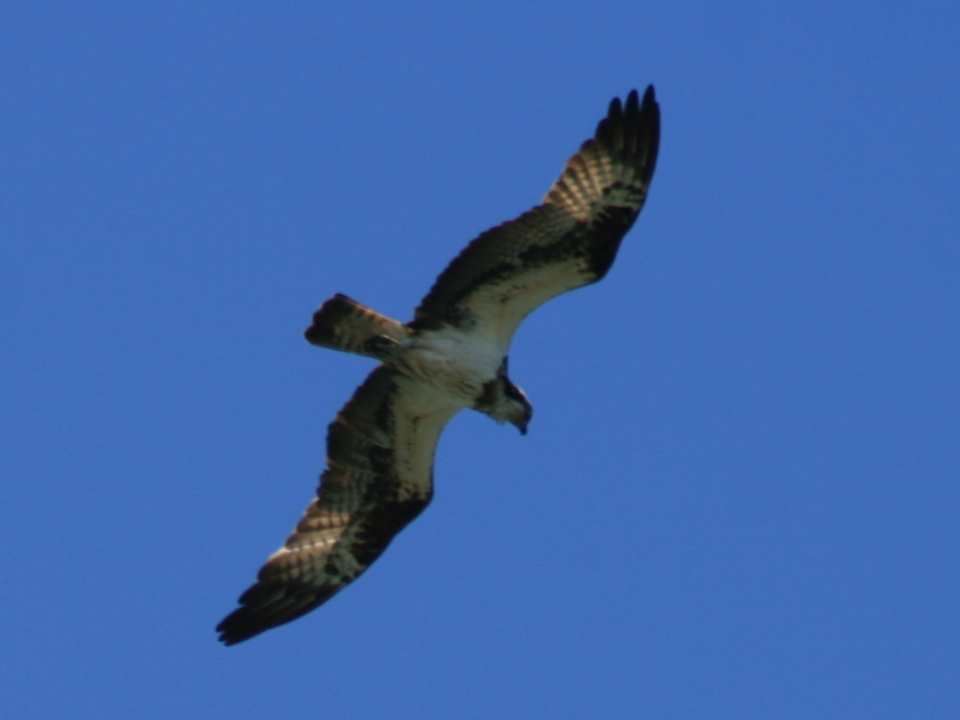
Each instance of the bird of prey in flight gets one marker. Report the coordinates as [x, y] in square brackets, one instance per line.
[451, 356]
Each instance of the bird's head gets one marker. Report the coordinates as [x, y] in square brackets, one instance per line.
[504, 401]
[518, 409]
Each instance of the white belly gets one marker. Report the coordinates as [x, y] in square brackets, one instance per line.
[455, 363]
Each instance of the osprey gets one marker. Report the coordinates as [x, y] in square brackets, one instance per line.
[453, 355]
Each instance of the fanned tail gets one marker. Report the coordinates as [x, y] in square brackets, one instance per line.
[344, 324]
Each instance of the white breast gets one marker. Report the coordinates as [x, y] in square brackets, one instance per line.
[456, 363]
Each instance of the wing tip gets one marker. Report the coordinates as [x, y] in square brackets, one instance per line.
[633, 126]
[235, 628]
[245, 622]
[650, 109]
[268, 605]
[261, 613]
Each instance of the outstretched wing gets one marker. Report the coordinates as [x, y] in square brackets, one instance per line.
[569, 241]
[379, 477]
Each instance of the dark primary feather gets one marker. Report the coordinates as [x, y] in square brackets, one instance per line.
[569, 241]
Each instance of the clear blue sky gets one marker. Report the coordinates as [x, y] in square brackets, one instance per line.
[739, 495]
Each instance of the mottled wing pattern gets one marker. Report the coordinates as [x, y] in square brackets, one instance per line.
[569, 241]
[379, 477]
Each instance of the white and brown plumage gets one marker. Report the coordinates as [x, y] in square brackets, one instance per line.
[452, 356]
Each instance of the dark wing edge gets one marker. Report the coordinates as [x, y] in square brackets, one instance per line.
[378, 478]
[569, 241]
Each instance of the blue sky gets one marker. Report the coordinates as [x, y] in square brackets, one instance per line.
[738, 497]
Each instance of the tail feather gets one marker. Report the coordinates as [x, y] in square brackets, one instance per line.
[344, 324]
